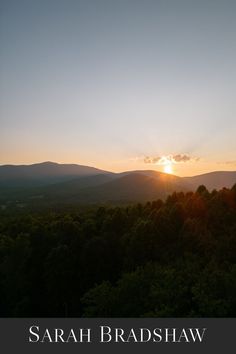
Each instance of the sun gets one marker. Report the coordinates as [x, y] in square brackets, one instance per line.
[168, 168]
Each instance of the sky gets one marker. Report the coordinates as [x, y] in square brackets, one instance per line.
[120, 85]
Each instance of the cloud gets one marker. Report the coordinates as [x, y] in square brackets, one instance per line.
[173, 158]
[230, 163]
[149, 159]
[181, 158]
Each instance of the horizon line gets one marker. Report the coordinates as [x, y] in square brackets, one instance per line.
[77, 164]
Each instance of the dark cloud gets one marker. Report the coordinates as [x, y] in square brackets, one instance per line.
[181, 158]
[177, 158]
[149, 159]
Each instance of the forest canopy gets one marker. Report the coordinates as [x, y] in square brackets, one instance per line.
[159, 259]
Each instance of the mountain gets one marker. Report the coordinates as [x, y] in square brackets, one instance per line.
[43, 174]
[52, 183]
[213, 180]
[132, 187]
[129, 186]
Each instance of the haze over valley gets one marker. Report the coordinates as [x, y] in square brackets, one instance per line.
[50, 182]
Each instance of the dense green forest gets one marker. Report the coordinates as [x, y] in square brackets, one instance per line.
[160, 259]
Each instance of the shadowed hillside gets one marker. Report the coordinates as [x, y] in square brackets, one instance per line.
[213, 180]
[50, 183]
[42, 173]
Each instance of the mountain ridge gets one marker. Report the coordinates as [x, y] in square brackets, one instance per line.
[72, 183]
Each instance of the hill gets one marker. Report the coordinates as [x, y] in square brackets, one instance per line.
[131, 187]
[213, 180]
[51, 183]
[42, 173]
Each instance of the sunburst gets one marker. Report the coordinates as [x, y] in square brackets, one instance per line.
[168, 168]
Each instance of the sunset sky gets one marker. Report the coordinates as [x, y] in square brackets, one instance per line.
[119, 84]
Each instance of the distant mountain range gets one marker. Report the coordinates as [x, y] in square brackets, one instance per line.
[50, 182]
[213, 180]
[43, 173]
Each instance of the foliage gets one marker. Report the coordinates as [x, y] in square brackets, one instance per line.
[160, 259]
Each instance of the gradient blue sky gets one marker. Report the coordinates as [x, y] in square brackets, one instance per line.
[108, 83]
